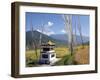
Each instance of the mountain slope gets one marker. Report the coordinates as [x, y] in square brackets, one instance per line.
[58, 39]
[45, 38]
[64, 37]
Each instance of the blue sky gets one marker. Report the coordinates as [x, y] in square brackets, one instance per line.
[54, 23]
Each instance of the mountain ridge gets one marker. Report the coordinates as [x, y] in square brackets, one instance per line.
[59, 40]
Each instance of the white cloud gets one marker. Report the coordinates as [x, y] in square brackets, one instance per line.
[50, 33]
[46, 32]
[63, 31]
[49, 23]
[39, 30]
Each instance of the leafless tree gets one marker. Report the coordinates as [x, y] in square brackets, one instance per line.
[68, 24]
[72, 41]
[75, 35]
[80, 30]
[33, 39]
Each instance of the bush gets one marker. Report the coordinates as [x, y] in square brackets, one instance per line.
[67, 60]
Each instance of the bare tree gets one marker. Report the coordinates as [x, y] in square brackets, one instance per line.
[80, 30]
[75, 35]
[40, 38]
[68, 25]
[33, 39]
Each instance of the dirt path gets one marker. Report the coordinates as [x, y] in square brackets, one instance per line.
[82, 55]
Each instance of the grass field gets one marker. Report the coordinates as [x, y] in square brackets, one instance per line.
[31, 58]
[81, 56]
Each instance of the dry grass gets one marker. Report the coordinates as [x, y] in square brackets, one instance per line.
[31, 54]
[82, 55]
[32, 59]
[61, 52]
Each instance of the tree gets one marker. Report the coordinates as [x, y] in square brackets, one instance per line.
[68, 25]
[80, 30]
[33, 40]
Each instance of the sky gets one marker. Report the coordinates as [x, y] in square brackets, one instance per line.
[50, 24]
